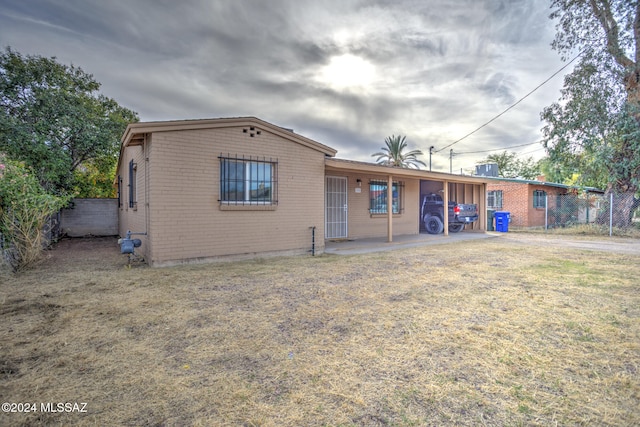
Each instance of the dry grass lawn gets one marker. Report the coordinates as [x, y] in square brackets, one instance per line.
[490, 332]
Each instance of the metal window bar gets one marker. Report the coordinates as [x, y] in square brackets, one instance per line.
[494, 199]
[248, 180]
[132, 184]
[119, 191]
[378, 197]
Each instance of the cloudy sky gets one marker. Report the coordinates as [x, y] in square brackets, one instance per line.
[346, 73]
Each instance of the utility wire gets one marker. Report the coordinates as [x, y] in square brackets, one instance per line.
[498, 149]
[517, 154]
[532, 151]
[513, 105]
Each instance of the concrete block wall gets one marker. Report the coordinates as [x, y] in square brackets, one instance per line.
[134, 218]
[90, 217]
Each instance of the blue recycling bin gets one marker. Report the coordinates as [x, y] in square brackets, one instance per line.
[502, 221]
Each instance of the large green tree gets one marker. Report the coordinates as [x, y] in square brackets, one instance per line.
[510, 166]
[594, 129]
[393, 154]
[53, 118]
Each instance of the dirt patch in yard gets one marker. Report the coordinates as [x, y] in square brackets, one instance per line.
[504, 331]
[619, 245]
[100, 252]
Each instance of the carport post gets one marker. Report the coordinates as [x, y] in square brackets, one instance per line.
[390, 208]
[445, 200]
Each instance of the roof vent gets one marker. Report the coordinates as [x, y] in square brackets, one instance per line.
[251, 131]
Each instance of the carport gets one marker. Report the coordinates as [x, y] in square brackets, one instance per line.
[367, 200]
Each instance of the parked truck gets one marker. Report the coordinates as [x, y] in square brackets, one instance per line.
[432, 214]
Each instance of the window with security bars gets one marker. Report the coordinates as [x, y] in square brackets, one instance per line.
[378, 197]
[133, 178]
[248, 181]
[539, 199]
[494, 199]
[119, 191]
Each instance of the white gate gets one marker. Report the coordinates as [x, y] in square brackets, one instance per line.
[336, 207]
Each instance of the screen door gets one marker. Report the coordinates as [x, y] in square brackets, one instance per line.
[336, 208]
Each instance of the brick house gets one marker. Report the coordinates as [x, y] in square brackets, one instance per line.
[236, 187]
[527, 200]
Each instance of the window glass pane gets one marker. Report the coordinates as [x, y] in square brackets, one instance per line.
[494, 199]
[539, 199]
[133, 177]
[378, 197]
[247, 181]
[232, 180]
[259, 181]
[395, 202]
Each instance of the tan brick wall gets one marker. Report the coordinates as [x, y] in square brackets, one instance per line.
[134, 218]
[178, 192]
[187, 219]
[362, 224]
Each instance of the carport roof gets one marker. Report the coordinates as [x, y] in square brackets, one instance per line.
[333, 164]
[495, 180]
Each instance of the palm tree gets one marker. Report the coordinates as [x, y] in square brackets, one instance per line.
[392, 154]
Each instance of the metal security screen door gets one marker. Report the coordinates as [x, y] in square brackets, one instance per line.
[336, 208]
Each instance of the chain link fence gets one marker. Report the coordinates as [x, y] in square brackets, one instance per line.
[547, 208]
[612, 212]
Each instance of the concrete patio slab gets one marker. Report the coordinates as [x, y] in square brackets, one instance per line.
[379, 244]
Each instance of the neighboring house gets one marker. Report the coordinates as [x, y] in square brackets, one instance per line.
[527, 202]
[238, 187]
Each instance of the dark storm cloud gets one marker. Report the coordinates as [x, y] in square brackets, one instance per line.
[439, 68]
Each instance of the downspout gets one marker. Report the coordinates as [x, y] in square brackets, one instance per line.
[147, 212]
[390, 208]
[482, 214]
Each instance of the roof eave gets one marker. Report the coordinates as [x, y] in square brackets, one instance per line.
[373, 168]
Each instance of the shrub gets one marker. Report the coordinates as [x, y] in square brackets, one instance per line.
[24, 209]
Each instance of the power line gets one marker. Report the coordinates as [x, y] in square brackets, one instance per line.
[513, 105]
[532, 151]
[517, 154]
[498, 149]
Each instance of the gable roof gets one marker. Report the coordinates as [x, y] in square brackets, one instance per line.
[134, 134]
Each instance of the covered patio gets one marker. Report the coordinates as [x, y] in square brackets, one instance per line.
[351, 213]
